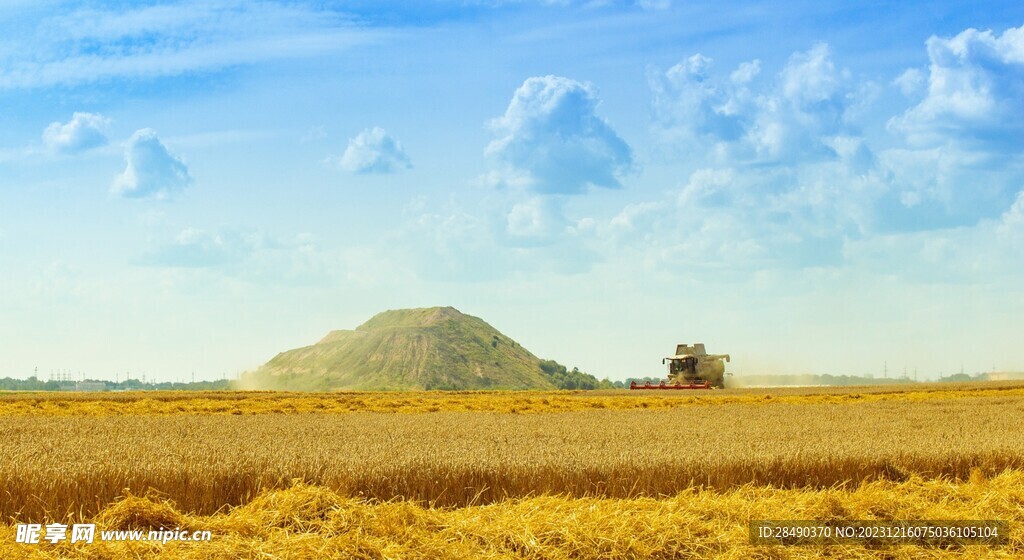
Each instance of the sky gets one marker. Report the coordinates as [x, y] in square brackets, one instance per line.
[191, 187]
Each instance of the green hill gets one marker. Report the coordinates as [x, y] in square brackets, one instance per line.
[408, 349]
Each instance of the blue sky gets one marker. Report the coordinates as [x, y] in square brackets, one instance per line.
[814, 187]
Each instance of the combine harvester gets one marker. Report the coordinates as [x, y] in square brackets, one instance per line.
[691, 368]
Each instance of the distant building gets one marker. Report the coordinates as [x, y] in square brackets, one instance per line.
[1005, 376]
[90, 386]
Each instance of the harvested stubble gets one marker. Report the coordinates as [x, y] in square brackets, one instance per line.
[306, 521]
[76, 465]
[255, 402]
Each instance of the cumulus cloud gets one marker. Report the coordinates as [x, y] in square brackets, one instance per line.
[729, 222]
[962, 158]
[793, 217]
[942, 187]
[632, 214]
[536, 220]
[551, 139]
[197, 248]
[151, 171]
[982, 254]
[786, 177]
[82, 132]
[1011, 223]
[910, 81]
[252, 256]
[691, 106]
[708, 187]
[485, 244]
[374, 151]
[786, 120]
[975, 88]
[960, 165]
[746, 72]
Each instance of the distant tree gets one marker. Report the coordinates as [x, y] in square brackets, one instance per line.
[34, 384]
[563, 378]
[31, 384]
[552, 367]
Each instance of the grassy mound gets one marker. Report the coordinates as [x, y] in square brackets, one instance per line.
[409, 349]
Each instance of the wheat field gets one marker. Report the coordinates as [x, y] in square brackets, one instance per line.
[525, 402]
[507, 475]
[305, 521]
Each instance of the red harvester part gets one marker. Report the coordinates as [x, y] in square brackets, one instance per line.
[635, 387]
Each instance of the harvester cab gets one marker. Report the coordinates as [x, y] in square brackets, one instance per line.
[691, 368]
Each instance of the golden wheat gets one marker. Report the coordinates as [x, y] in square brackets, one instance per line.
[508, 475]
[62, 465]
[238, 403]
[306, 521]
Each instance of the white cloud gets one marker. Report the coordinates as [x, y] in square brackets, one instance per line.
[82, 132]
[690, 107]
[982, 254]
[494, 237]
[252, 256]
[728, 223]
[706, 186]
[196, 248]
[1011, 223]
[975, 88]
[168, 39]
[809, 108]
[629, 215]
[943, 187]
[448, 244]
[739, 120]
[551, 138]
[151, 171]
[805, 123]
[963, 157]
[536, 220]
[810, 77]
[910, 81]
[746, 72]
[374, 151]
[786, 174]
